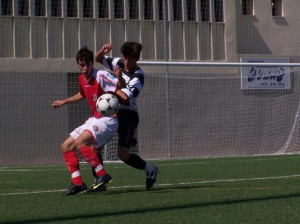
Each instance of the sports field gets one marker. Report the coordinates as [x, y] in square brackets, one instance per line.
[220, 190]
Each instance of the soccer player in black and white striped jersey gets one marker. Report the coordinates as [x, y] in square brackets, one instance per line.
[128, 115]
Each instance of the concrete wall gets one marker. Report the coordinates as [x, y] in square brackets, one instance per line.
[30, 130]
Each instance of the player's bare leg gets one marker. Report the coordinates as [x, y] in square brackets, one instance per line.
[85, 144]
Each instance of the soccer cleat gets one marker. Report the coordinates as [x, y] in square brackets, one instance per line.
[151, 177]
[99, 189]
[74, 189]
[100, 181]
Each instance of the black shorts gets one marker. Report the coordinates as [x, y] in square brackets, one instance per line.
[128, 122]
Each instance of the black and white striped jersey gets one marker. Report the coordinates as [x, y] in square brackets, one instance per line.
[134, 81]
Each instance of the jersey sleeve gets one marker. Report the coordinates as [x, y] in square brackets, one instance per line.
[112, 63]
[134, 85]
[107, 81]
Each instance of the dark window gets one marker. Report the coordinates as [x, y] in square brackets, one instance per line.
[6, 7]
[23, 7]
[118, 9]
[133, 9]
[103, 9]
[88, 9]
[72, 8]
[247, 7]
[56, 8]
[39, 8]
[161, 10]
[205, 11]
[191, 10]
[148, 9]
[276, 7]
[219, 12]
[177, 10]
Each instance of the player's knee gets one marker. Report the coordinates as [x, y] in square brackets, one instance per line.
[78, 144]
[123, 153]
[65, 147]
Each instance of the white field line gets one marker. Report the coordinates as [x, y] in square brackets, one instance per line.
[166, 184]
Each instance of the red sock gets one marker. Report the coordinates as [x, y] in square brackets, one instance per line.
[72, 162]
[91, 157]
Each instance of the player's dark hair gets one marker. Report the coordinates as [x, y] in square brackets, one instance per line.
[86, 55]
[131, 49]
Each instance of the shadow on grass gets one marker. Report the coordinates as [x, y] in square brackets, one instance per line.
[155, 209]
[114, 191]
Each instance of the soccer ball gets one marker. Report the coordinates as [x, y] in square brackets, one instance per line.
[107, 104]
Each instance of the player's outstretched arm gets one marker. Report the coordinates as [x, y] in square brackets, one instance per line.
[73, 99]
[106, 48]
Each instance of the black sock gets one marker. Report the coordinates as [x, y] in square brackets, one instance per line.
[136, 162]
[99, 155]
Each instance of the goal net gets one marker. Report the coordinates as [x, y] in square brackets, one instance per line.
[186, 110]
[190, 115]
[202, 114]
[183, 114]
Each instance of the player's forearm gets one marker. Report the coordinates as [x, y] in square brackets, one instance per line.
[73, 99]
[121, 82]
[58, 103]
[123, 98]
[99, 55]
[104, 50]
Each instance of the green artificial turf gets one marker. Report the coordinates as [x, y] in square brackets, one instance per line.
[214, 190]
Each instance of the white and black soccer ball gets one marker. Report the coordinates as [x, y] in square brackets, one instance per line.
[107, 104]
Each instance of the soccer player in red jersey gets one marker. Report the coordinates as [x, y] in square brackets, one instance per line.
[97, 130]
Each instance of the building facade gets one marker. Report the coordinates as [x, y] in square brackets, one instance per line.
[174, 30]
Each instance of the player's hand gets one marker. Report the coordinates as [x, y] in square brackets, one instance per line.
[106, 48]
[57, 104]
[118, 72]
[121, 80]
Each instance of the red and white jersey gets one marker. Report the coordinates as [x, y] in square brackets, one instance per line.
[99, 83]
[134, 81]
